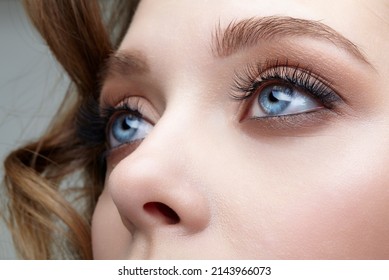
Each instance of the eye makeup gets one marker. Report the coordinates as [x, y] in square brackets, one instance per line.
[94, 122]
[284, 84]
[254, 76]
[130, 121]
[248, 82]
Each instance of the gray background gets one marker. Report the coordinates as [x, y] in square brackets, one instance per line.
[31, 89]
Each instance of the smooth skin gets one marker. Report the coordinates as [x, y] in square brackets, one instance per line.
[210, 181]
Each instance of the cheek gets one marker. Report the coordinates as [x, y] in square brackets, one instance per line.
[349, 222]
[110, 239]
[342, 210]
[325, 197]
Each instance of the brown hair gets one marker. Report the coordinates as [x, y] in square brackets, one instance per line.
[48, 215]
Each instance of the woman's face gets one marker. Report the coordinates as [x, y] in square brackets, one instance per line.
[265, 128]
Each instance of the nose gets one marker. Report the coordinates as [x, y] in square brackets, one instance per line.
[154, 189]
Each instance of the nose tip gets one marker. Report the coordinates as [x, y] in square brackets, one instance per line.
[150, 196]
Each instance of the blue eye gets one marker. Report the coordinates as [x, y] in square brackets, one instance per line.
[127, 128]
[281, 100]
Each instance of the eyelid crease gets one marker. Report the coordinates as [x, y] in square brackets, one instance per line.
[138, 104]
[134, 104]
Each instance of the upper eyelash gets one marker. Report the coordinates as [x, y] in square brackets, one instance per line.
[93, 121]
[92, 124]
[108, 112]
[254, 76]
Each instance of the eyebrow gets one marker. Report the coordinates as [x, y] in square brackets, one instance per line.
[246, 33]
[236, 36]
[124, 63]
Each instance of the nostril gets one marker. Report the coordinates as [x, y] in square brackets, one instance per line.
[163, 211]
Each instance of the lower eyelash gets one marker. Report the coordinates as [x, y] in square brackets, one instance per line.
[294, 125]
[247, 82]
[107, 112]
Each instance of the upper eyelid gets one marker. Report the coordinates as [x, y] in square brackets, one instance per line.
[326, 95]
[134, 104]
[111, 113]
[254, 73]
[121, 64]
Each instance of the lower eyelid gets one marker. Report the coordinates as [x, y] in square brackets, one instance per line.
[286, 123]
[117, 153]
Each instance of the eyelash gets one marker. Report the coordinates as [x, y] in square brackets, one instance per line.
[108, 113]
[254, 76]
[93, 122]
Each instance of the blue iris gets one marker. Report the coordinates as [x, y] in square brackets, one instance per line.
[275, 99]
[127, 128]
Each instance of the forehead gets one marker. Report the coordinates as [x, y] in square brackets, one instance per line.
[185, 27]
[352, 18]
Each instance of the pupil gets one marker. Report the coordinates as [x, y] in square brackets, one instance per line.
[272, 98]
[275, 99]
[125, 123]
